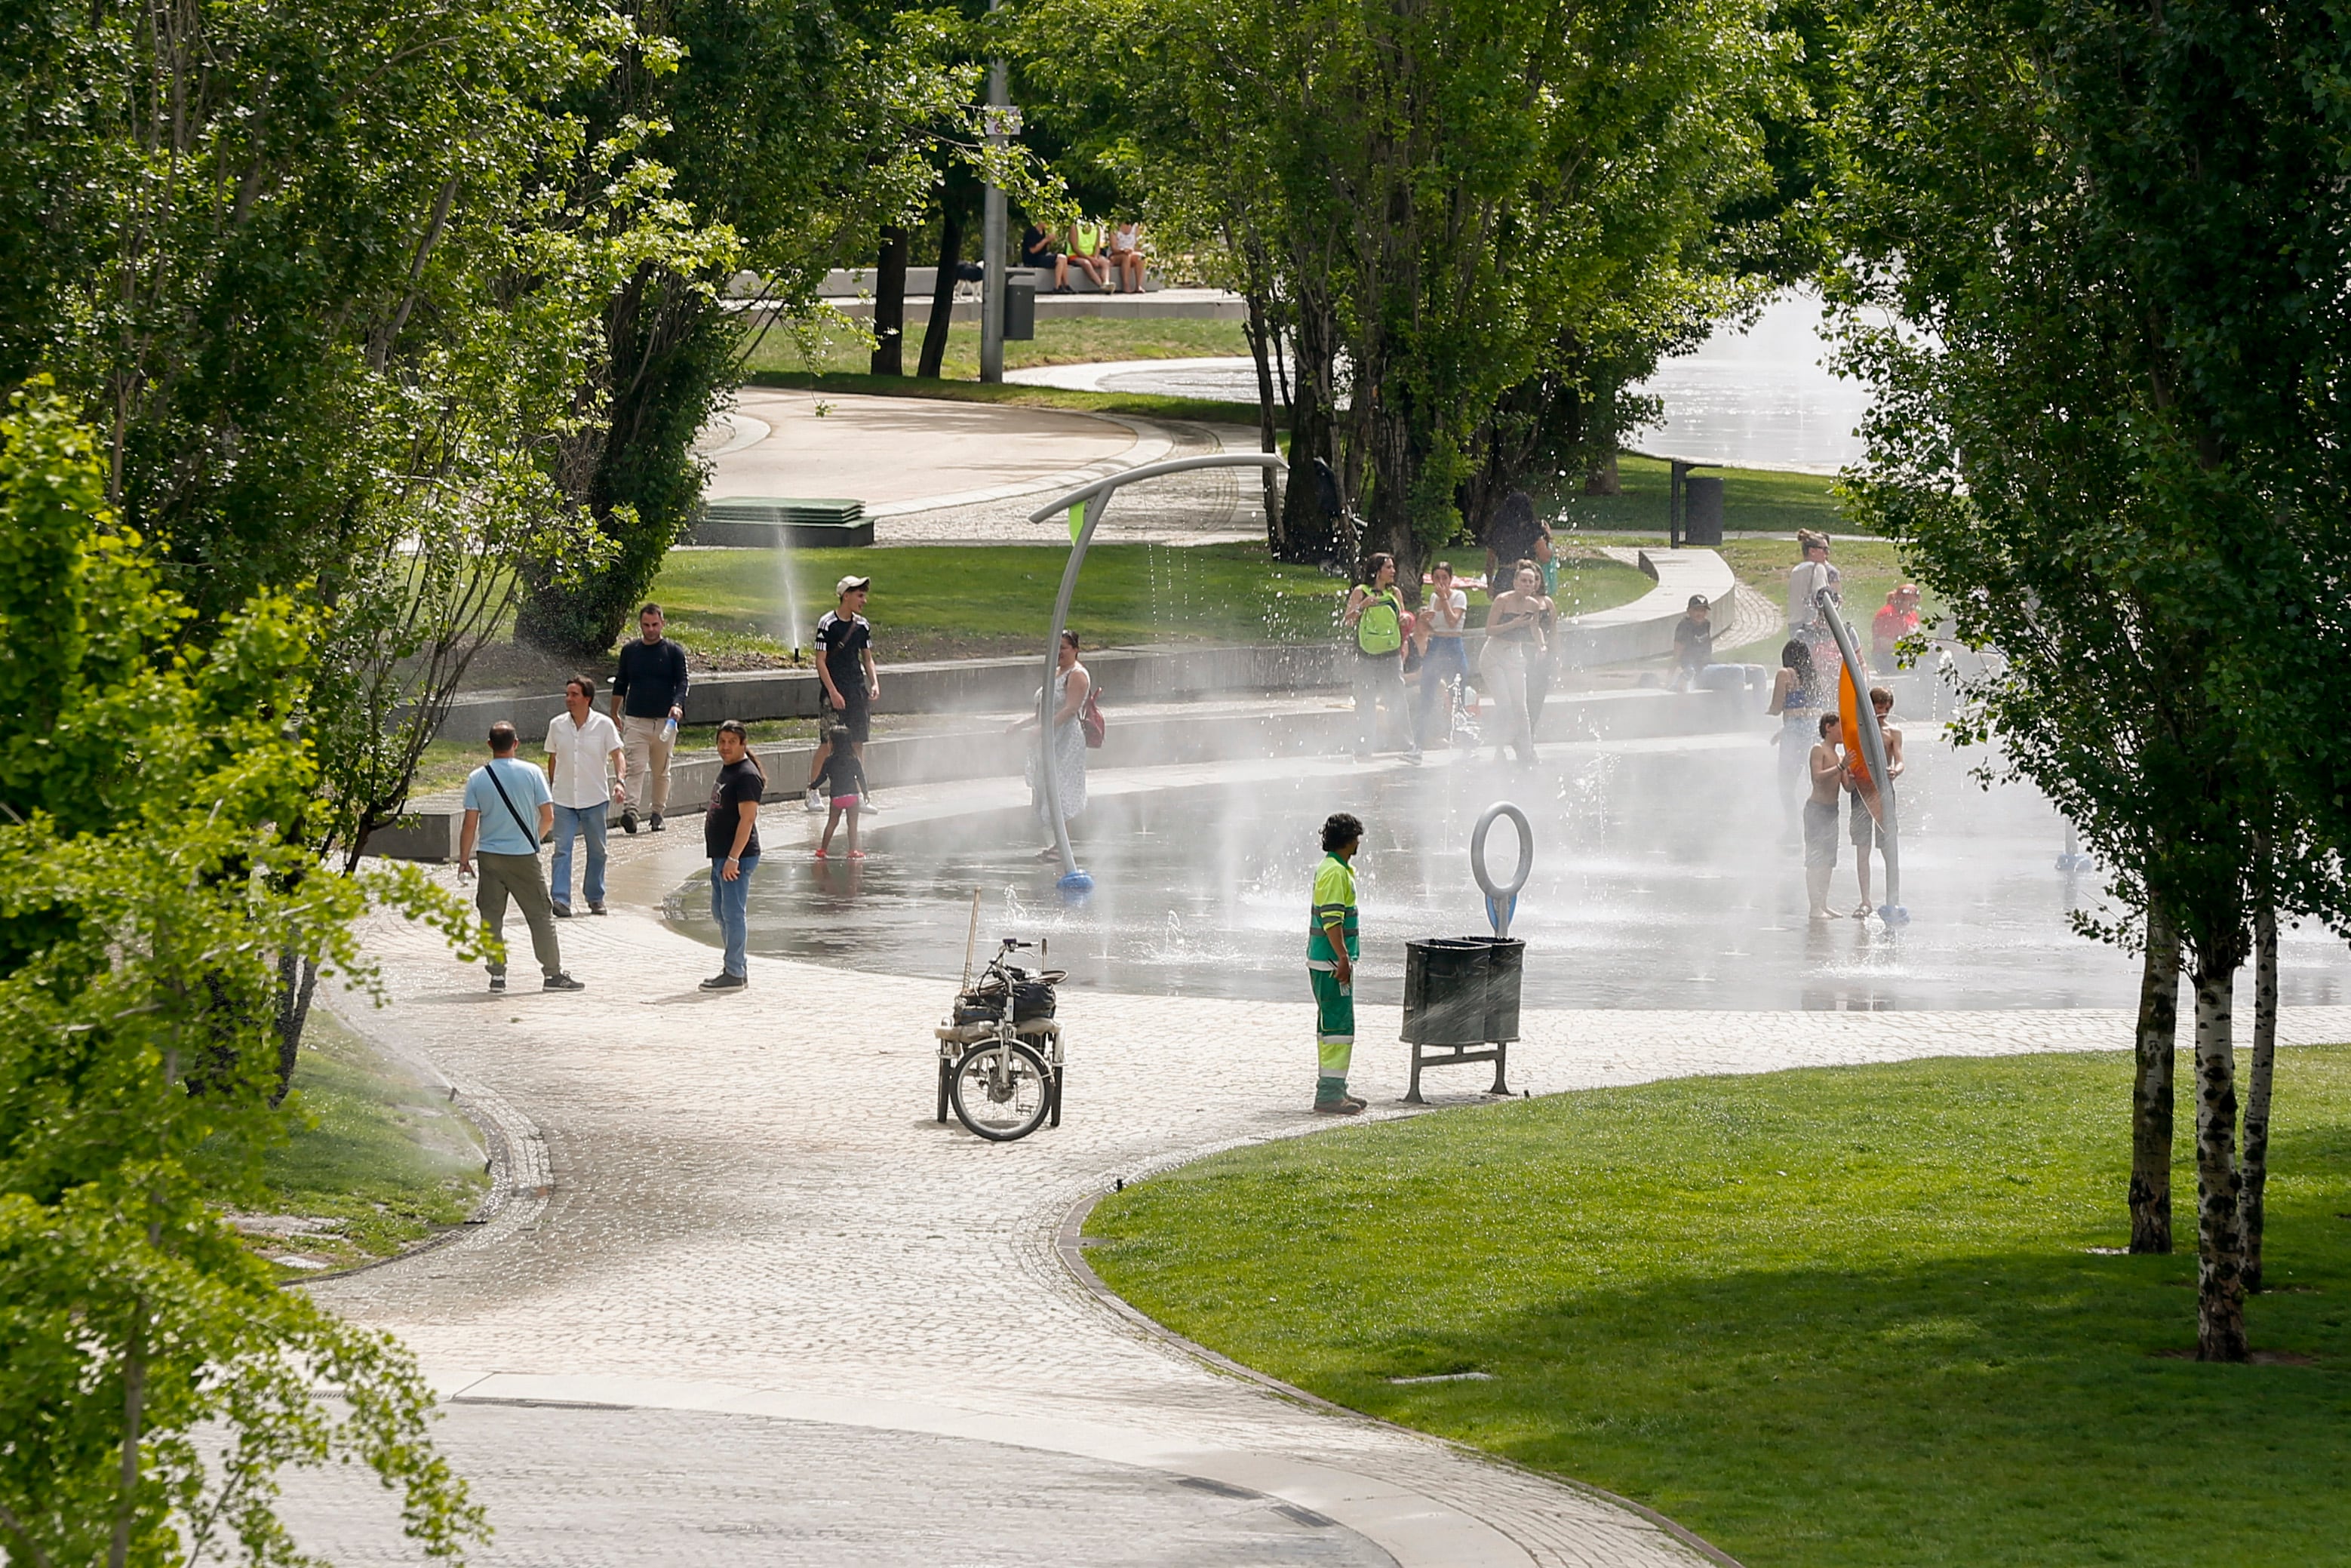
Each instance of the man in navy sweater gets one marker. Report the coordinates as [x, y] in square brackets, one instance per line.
[648, 696]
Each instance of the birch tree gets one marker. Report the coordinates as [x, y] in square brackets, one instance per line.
[2108, 441]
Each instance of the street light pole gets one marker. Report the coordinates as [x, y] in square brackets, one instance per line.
[991, 306]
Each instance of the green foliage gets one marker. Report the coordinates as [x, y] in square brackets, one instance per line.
[2125, 255]
[1448, 200]
[792, 134]
[151, 876]
[1844, 1319]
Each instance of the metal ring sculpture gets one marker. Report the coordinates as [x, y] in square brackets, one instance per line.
[1501, 902]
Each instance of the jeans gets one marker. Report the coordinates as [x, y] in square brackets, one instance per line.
[1379, 679]
[729, 904]
[581, 822]
[1443, 664]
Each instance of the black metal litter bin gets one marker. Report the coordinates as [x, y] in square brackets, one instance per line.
[1461, 992]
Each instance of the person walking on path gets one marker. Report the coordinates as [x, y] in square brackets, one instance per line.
[1374, 613]
[1795, 700]
[843, 779]
[844, 640]
[1071, 684]
[1865, 828]
[1514, 638]
[581, 745]
[1332, 944]
[1444, 617]
[730, 836]
[649, 702]
[503, 797]
[1827, 763]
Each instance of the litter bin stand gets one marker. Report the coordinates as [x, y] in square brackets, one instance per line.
[1461, 1004]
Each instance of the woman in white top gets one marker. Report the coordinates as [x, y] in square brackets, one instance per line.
[1444, 616]
[1126, 256]
[1514, 639]
[1068, 746]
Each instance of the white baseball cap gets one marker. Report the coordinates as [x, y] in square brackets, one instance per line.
[847, 583]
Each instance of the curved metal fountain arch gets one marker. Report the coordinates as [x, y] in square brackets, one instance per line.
[1096, 497]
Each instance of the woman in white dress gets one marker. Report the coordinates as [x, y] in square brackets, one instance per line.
[1070, 685]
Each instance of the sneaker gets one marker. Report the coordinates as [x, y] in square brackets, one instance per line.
[561, 983]
[655, 824]
[824, 854]
[497, 985]
[1413, 756]
[562, 912]
[1358, 1102]
[1338, 1107]
[629, 820]
[723, 982]
[815, 800]
[597, 908]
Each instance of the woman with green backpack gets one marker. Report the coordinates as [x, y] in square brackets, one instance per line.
[1375, 615]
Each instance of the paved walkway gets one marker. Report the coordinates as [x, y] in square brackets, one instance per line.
[750, 1303]
[943, 471]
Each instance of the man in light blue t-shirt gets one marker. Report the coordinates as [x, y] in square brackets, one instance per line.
[507, 812]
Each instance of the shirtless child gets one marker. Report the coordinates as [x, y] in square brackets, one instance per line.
[1820, 818]
[1865, 828]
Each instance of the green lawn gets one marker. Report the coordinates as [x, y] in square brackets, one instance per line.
[380, 1150]
[1850, 1317]
[1073, 340]
[948, 601]
[1753, 500]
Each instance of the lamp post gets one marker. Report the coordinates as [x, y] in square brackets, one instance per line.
[991, 229]
[1095, 497]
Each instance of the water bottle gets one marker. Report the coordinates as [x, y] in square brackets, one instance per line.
[669, 730]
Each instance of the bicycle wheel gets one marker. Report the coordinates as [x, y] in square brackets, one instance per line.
[1001, 1109]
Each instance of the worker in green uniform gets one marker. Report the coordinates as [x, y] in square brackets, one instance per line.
[1332, 944]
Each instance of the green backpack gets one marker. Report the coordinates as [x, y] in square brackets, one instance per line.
[1380, 628]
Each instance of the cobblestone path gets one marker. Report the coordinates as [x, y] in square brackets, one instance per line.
[750, 1303]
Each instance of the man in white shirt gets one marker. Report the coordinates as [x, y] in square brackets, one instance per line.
[581, 742]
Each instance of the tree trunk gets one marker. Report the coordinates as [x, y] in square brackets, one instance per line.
[2257, 1086]
[890, 305]
[1601, 478]
[2219, 1231]
[1255, 331]
[1310, 537]
[134, 1417]
[297, 982]
[935, 331]
[2151, 1089]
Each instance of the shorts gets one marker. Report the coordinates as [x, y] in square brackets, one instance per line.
[1862, 828]
[1820, 835]
[845, 803]
[857, 717]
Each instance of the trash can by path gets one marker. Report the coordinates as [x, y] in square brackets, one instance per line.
[1461, 1003]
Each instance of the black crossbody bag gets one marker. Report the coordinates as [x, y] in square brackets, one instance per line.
[529, 837]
